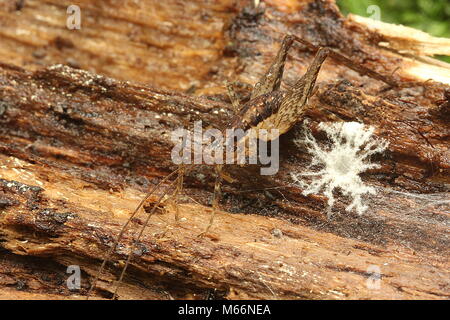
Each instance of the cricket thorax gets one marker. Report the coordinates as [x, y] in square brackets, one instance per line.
[269, 111]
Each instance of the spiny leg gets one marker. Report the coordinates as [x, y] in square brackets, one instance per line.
[271, 80]
[178, 189]
[173, 198]
[294, 103]
[216, 197]
[179, 180]
[122, 231]
[303, 88]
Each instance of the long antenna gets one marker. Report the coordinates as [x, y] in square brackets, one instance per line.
[122, 231]
[130, 254]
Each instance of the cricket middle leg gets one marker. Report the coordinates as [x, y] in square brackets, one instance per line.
[216, 197]
[178, 190]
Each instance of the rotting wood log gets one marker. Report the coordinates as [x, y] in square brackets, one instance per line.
[78, 150]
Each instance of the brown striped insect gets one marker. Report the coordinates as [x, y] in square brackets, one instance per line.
[268, 108]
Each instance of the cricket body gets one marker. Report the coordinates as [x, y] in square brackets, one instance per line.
[269, 108]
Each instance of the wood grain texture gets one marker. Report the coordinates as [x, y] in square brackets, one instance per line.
[78, 150]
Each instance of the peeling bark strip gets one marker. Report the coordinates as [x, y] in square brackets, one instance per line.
[79, 150]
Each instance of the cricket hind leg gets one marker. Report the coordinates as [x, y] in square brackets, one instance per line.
[124, 228]
[271, 80]
[303, 88]
[298, 96]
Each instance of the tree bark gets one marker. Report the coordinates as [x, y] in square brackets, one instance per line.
[79, 150]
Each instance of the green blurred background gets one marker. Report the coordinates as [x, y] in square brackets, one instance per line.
[431, 16]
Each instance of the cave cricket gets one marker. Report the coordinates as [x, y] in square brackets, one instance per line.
[268, 108]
